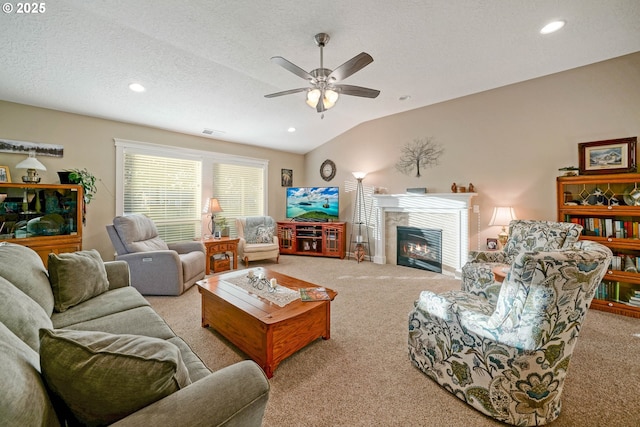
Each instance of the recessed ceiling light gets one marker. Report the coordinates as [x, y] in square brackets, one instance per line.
[291, 129]
[136, 87]
[552, 27]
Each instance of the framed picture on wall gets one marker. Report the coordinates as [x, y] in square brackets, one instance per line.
[287, 177]
[609, 156]
[5, 175]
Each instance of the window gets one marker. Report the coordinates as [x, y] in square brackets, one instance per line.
[239, 189]
[168, 184]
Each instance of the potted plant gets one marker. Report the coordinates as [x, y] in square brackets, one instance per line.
[221, 224]
[88, 182]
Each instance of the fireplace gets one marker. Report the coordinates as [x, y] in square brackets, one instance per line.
[420, 248]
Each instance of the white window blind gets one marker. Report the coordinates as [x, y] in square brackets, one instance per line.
[167, 190]
[239, 190]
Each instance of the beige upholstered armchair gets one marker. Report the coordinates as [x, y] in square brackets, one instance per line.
[509, 359]
[524, 235]
[157, 268]
[258, 238]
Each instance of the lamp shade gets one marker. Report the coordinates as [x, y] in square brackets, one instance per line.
[359, 175]
[31, 163]
[502, 216]
[212, 206]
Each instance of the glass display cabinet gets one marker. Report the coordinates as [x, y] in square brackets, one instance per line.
[46, 218]
[608, 207]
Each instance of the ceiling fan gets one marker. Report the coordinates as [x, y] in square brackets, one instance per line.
[324, 92]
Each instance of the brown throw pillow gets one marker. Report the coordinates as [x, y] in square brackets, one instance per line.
[76, 277]
[104, 377]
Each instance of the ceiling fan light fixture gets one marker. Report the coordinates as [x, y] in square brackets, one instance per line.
[330, 98]
[313, 96]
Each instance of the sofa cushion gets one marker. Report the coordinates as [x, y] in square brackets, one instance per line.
[23, 267]
[76, 277]
[103, 377]
[137, 321]
[23, 397]
[22, 315]
[196, 367]
[138, 233]
[114, 301]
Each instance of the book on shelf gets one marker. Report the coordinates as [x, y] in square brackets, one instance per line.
[314, 294]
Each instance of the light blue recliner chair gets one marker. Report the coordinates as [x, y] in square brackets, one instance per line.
[157, 268]
[509, 359]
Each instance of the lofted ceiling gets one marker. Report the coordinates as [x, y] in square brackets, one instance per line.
[206, 64]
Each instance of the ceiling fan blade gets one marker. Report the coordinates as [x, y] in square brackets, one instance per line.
[356, 63]
[357, 91]
[286, 92]
[287, 65]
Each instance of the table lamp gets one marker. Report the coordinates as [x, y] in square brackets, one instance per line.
[31, 164]
[502, 216]
[212, 207]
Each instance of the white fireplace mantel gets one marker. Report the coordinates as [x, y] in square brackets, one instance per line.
[457, 204]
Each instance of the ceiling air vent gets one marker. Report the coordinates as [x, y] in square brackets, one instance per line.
[213, 132]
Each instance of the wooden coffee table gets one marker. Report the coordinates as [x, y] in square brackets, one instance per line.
[266, 332]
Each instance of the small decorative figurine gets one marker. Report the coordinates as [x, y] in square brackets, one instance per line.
[454, 188]
[472, 189]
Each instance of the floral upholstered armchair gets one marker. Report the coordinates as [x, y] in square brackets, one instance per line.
[524, 235]
[509, 359]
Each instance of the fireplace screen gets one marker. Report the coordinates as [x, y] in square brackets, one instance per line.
[420, 248]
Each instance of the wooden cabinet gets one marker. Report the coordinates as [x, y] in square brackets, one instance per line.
[312, 238]
[608, 207]
[46, 218]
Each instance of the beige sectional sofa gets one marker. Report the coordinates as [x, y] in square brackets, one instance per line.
[78, 344]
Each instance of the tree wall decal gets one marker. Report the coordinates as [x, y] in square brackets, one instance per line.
[419, 154]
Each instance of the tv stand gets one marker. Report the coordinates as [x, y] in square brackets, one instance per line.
[312, 238]
[309, 220]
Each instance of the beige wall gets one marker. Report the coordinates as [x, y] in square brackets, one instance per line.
[509, 142]
[88, 142]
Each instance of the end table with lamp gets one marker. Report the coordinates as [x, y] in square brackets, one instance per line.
[221, 245]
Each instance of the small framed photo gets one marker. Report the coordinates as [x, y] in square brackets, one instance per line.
[609, 156]
[492, 244]
[217, 234]
[287, 177]
[5, 175]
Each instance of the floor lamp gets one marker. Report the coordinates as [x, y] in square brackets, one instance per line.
[361, 242]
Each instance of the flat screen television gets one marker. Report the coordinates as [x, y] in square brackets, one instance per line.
[319, 203]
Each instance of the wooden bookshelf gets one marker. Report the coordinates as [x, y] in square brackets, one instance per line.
[608, 208]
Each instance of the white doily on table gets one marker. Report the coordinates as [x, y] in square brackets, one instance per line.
[282, 296]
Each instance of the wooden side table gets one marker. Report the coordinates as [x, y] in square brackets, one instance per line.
[500, 272]
[219, 246]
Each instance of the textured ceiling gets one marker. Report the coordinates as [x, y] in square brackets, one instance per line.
[205, 63]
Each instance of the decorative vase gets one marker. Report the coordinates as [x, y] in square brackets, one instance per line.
[64, 177]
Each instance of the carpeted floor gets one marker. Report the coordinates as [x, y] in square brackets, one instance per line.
[362, 375]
